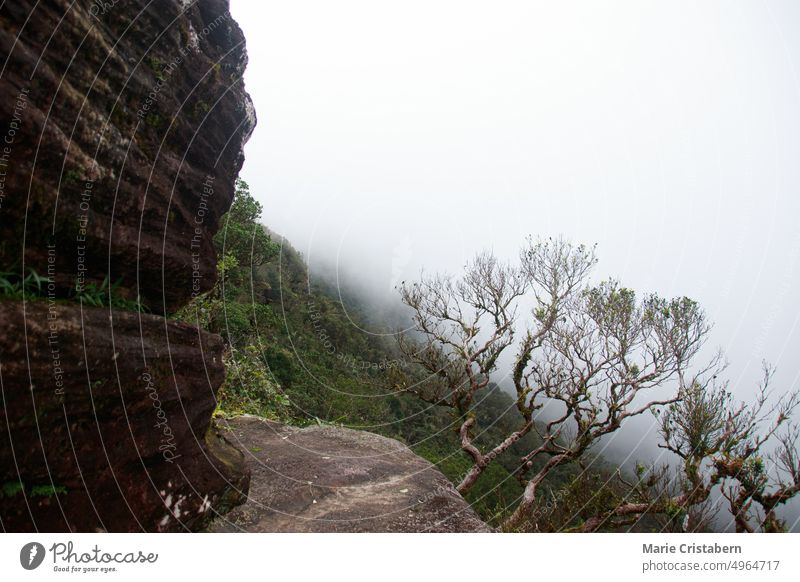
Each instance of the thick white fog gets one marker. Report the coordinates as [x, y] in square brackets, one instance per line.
[399, 135]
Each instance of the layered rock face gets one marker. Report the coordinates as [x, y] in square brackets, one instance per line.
[121, 134]
[126, 121]
[107, 420]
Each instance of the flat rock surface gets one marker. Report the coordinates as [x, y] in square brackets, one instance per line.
[330, 479]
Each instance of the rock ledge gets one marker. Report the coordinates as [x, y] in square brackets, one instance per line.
[329, 479]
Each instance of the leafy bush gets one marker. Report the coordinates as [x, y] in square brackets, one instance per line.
[250, 388]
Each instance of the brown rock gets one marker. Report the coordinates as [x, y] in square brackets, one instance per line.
[328, 479]
[124, 124]
[105, 422]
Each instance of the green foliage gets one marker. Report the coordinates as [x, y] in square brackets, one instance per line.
[72, 176]
[232, 321]
[11, 488]
[14, 286]
[105, 295]
[154, 120]
[243, 245]
[156, 66]
[242, 236]
[200, 108]
[34, 286]
[280, 364]
[47, 490]
[250, 388]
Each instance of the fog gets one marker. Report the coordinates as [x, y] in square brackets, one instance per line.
[395, 136]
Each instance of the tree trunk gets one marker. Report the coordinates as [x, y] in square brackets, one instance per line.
[482, 461]
[470, 479]
[528, 501]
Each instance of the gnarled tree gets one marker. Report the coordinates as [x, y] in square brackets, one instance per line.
[745, 451]
[587, 359]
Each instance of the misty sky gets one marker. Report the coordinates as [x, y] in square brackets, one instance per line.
[397, 135]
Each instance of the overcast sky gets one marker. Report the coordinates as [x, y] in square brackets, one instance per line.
[397, 135]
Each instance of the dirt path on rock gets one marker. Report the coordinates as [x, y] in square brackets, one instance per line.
[329, 479]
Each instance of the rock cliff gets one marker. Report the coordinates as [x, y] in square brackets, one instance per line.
[107, 427]
[126, 122]
[122, 127]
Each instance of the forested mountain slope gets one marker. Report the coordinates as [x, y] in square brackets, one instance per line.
[298, 354]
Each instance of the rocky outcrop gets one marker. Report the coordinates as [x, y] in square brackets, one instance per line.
[126, 122]
[328, 479]
[122, 126]
[106, 422]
